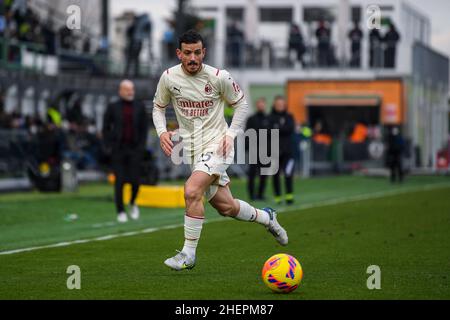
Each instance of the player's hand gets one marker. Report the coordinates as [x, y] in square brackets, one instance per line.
[165, 141]
[225, 146]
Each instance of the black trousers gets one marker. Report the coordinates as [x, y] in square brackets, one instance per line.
[396, 169]
[287, 167]
[126, 164]
[254, 171]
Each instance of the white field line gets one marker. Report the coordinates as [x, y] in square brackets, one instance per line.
[368, 196]
[104, 224]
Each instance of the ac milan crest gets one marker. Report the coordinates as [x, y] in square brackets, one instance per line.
[208, 88]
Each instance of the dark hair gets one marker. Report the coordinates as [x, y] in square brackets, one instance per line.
[189, 37]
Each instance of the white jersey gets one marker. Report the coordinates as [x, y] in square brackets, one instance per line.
[199, 101]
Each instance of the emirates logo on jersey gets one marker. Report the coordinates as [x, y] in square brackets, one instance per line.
[208, 88]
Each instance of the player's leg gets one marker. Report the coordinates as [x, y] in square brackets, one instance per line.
[194, 189]
[226, 205]
[289, 180]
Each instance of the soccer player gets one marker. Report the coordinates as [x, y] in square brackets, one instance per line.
[199, 93]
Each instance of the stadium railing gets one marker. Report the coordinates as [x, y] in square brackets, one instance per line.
[32, 57]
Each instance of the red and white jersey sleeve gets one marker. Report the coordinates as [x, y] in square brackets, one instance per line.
[232, 93]
[162, 95]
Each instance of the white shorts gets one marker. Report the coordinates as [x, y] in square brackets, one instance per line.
[213, 164]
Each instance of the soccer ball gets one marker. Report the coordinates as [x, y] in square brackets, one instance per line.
[282, 273]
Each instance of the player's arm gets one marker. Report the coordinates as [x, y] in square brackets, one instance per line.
[234, 96]
[160, 102]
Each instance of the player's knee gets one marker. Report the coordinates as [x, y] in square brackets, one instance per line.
[192, 194]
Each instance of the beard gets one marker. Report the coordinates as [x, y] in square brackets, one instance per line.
[192, 67]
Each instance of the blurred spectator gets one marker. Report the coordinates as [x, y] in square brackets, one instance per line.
[235, 40]
[359, 134]
[75, 114]
[19, 6]
[296, 43]
[87, 45]
[375, 50]
[54, 116]
[50, 144]
[355, 36]
[257, 121]
[323, 34]
[169, 40]
[49, 37]
[66, 39]
[33, 125]
[390, 39]
[133, 50]
[319, 136]
[139, 31]
[80, 146]
[207, 33]
[2, 18]
[47, 177]
[17, 121]
[283, 121]
[4, 120]
[395, 148]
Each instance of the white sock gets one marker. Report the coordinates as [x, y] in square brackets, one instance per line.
[249, 213]
[192, 230]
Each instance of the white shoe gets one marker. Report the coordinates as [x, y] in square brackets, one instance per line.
[275, 228]
[134, 214]
[180, 261]
[122, 217]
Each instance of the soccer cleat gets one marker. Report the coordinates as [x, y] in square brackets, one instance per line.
[180, 261]
[134, 214]
[122, 217]
[275, 228]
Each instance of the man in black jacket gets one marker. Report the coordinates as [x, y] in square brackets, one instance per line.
[395, 148]
[391, 38]
[283, 121]
[355, 35]
[125, 134]
[256, 122]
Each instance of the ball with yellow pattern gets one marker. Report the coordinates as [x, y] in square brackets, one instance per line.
[282, 273]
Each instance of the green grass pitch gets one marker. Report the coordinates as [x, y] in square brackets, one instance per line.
[337, 228]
